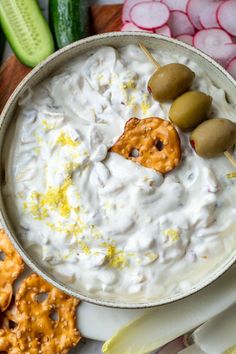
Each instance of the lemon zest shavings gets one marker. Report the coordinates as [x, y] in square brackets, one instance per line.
[84, 247]
[131, 84]
[100, 77]
[47, 126]
[72, 229]
[231, 175]
[172, 234]
[115, 257]
[54, 199]
[65, 140]
[131, 103]
[38, 138]
[145, 107]
[37, 150]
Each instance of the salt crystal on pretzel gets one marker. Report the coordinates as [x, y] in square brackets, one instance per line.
[48, 324]
[10, 267]
[152, 142]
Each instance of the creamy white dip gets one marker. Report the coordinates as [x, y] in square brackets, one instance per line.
[106, 225]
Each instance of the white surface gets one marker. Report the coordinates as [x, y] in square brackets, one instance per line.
[101, 323]
[218, 334]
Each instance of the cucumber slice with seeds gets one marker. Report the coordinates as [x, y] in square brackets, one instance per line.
[26, 30]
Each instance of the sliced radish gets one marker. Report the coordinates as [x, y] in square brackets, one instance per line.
[186, 38]
[149, 15]
[194, 9]
[130, 27]
[226, 16]
[128, 4]
[230, 50]
[164, 31]
[180, 24]
[180, 5]
[208, 16]
[216, 43]
[231, 67]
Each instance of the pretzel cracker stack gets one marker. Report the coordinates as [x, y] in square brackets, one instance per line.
[41, 318]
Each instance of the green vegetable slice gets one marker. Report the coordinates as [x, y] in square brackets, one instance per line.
[68, 20]
[26, 30]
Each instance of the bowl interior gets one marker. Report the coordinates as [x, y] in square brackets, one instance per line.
[217, 74]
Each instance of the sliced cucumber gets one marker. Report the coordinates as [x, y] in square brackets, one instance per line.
[26, 30]
[68, 20]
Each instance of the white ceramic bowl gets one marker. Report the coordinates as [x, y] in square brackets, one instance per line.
[116, 39]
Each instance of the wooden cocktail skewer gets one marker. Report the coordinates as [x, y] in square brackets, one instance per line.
[231, 159]
[149, 55]
[227, 154]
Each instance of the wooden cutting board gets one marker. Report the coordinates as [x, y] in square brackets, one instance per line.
[106, 18]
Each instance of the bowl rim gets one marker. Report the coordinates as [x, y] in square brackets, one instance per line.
[12, 101]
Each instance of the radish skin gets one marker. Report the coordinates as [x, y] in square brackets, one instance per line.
[180, 5]
[164, 31]
[226, 16]
[180, 24]
[149, 15]
[216, 43]
[186, 38]
[128, 4]
[130, 27]
[208, 17]
[194, 9]
[165, 323]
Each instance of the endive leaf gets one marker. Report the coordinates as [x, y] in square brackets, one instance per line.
[193, 349]
[231, 351]
[218, 334]
[168, 322]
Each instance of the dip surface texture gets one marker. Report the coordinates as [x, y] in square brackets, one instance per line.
[103, 224]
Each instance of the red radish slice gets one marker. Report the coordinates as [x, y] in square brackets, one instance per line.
[194, 9]
[208, 15]
[230, 50]
[216, 43]
[180, 5]
[149, 15]
[226, 16]
[180, 24]
[128, 4]
[231, 67]
[164, 31]
[186, 38]
[130, 27]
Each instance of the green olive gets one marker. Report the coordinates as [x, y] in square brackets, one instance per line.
[213, 137]
[190, 109]
[170, 81]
